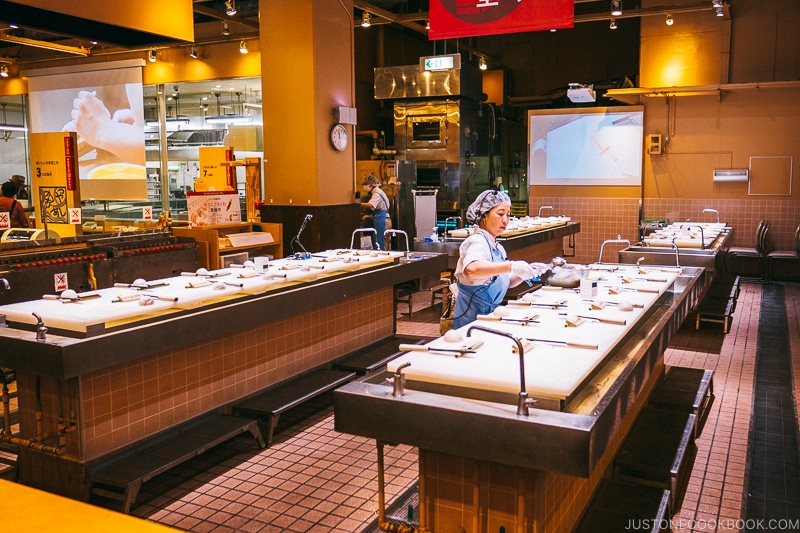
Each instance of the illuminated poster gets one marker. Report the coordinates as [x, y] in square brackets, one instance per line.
[103, 105]
[470, 18]
[212, 208]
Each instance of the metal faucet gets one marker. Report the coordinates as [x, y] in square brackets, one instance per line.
[639, 260]
[539, 214]
[364, 230]
[398, 380]
[448, 219]
[702, 237]
[709, 210]
[395, 232]
[619, 240]
[6, 284]
[523, 402]
[41, 329]
[677, 258]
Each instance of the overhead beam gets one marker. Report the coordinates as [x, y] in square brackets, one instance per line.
[77, 50]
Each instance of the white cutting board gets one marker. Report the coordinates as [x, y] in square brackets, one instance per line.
[551, 370]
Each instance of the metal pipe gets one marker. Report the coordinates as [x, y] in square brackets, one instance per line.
[448, 219]
[395, 232]
[6, 406]
[618, 240]
[523, 401]
[363, 230]
[677, 258]
[709, 210]
[383, 523]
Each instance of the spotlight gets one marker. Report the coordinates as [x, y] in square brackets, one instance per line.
[365, 20]
[670, 21]
[613, 24]
[482, 64]
[226, 30]
[230, 7]
[152, 55]
[193, 52]
[616, 7]
[243, 47]
[3, 71]
[427, 24]
[720, 11]
[716, 3]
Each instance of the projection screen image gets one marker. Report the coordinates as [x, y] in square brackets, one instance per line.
[586, 146]
[105, 108]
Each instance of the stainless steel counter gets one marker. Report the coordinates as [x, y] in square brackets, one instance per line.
[569, 442]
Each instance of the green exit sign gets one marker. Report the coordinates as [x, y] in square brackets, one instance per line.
[446, 62]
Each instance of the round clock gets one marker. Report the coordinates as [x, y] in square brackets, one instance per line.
[339, 137]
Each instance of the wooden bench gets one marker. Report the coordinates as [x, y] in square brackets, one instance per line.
[620, 506]
[719, 303]
[687, 390]
[659, 451]
[120, 476]
[375, 356]
[275, 400]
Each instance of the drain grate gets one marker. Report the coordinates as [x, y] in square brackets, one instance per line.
[397, 511]
[774, 477]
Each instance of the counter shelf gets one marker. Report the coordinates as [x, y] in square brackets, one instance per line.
[570, 441]
[92, 344]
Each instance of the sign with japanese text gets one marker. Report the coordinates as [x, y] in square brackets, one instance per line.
[54, 180]
[210, 208]
[214, 176]
[471, 18]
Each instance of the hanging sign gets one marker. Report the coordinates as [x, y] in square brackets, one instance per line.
[471, 18]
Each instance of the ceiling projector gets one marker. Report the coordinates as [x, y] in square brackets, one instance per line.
[580, 93]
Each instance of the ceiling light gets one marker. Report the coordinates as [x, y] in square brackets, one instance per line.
[152, 55]
[716, 3]
[4, 71]
[427, 24]
[243, 47]
[613, 24]
[226, 30]
[720, 11]
[230, 7]
[482, 64]
[365, 20]
[670, 21]
[616, 7]
[193, 52]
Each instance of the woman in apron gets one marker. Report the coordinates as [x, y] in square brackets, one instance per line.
[484, 273]
[379, 204]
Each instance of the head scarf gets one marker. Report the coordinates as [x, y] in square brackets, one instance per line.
[485, 202]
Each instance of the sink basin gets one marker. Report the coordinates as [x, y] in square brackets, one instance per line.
[708, 258]
[416, 256]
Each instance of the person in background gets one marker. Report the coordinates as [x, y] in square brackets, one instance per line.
[379, 205]
[483, 272]
[19, 183]
[10, 205]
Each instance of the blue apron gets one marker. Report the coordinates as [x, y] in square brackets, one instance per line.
[474, 300]
[379, 219]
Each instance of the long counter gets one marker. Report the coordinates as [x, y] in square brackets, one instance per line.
[554, 456]
[103, 387]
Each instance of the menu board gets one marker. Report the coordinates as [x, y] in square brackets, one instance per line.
[213, 207]
[56, 188]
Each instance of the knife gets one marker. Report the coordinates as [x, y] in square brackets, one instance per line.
[523, 321]
[617, 321]
[79, 297]
[570, 344]
[459, 352]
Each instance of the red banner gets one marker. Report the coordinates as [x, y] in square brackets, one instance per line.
[471, 18]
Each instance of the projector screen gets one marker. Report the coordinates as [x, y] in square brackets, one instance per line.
[586, 146]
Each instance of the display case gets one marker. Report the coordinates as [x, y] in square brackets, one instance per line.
[214, 242]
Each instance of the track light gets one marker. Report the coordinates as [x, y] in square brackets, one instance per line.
[230, 7]
[613, 24]
[720, 11]
[243, 47]
[365, 20]
[193, 52]
[152, 55]
[3, 71]
[482, 64]
[670, 21]
[226, 30]
[616, 7]
[427, 24]
[716, 3]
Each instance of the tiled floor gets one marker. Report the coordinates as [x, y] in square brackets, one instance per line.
[315, 479]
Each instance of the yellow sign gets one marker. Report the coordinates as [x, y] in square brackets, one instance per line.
[214, 176]
[55, 183]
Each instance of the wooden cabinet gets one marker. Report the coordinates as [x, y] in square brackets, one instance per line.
[215, 242]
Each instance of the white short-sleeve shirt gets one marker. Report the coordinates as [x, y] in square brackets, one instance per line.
[476, 248]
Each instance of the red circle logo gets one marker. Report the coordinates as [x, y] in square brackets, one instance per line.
[480, 11]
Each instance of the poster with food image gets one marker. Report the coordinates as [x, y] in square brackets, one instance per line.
[213, 207]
